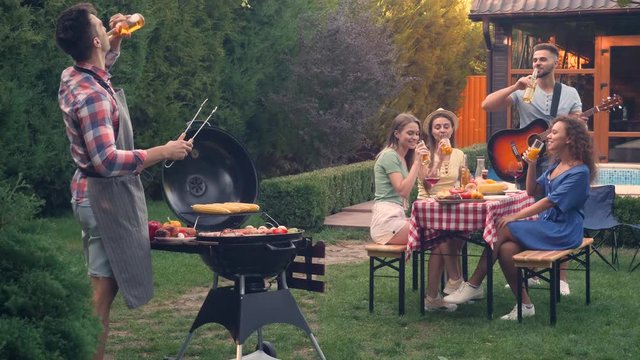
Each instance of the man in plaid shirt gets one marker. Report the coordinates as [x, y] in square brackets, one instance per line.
[101, 144]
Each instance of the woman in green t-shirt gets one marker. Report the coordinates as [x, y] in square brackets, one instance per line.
[396, 170]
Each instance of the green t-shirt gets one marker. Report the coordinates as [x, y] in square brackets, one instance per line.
[388, 162]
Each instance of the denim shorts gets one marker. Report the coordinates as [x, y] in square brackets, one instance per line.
[94, 255]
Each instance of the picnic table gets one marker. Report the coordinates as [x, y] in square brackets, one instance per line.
[432, 219]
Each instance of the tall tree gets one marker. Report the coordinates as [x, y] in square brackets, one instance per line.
[341, 76]
[438, 47]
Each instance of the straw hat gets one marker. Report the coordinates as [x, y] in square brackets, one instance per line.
[438, 113]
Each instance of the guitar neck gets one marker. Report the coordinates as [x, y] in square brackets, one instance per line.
[587, 113]
[591, 111]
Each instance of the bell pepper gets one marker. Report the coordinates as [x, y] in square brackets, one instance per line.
[174, 223]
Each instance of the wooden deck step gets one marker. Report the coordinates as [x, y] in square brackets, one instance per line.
[354, 216]
[362, 207]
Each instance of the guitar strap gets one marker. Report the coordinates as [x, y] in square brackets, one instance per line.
[555, 101]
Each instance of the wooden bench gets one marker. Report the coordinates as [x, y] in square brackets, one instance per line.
[387, 256]
[536, 263]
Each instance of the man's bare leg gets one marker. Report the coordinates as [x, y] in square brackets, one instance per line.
[104, 291]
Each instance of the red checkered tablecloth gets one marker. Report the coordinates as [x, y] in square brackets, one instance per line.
[433, 217]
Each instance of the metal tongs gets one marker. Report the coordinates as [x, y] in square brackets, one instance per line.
[169, 164]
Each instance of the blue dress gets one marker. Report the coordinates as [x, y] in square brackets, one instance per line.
[560, 227]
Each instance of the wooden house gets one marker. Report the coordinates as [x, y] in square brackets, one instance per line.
[599, 42]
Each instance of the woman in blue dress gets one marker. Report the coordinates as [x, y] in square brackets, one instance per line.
[563, 190]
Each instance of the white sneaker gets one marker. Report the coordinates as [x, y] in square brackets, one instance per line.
[526, 312]
[452, 286]
[530, 282]
[439, 304]
[564, 288]
[465, 293]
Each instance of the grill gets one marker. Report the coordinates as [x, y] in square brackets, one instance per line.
[220, 169]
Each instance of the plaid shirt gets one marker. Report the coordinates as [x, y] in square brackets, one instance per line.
[91, 118]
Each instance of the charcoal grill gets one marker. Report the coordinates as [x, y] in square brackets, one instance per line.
[221, 170]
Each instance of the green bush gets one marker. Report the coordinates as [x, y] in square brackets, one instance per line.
[16, 203]
[304, 200]
[45, 309]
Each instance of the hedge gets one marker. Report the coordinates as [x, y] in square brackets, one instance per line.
[305, 199]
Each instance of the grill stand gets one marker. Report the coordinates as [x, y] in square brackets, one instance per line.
[243, 313]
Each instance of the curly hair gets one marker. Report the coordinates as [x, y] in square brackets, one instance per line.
[74, 32]
[398, 123]
[582, 146]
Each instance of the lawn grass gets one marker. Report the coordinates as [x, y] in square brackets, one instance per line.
[606, 329]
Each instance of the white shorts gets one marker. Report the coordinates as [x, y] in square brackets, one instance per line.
[387, 219]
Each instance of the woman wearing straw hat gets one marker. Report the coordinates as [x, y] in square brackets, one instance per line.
[439, 128]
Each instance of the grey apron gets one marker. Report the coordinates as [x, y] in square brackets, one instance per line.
[120, 210]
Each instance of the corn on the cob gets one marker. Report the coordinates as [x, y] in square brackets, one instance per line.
[215, 209]
[242, 207]
[225, 208]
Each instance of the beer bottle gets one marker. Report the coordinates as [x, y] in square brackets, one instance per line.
[123, 28]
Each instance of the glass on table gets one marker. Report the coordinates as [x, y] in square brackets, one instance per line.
[432, 177]
[515, 169]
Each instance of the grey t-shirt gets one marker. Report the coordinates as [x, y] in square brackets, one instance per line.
[540, 106]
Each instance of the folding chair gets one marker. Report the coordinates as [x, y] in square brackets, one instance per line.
[635, 229]
[599, 220]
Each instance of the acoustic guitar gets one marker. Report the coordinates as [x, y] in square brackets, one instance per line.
[507, 145]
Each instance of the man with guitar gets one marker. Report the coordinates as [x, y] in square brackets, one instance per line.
[549, 100]
[545, 59]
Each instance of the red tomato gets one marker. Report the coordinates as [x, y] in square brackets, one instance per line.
[153, 226]
[465, 195]
[279, 231]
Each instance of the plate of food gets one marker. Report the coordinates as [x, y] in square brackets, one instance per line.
[495, 197]
[172, 239]
[512, 191]
[492, 193]
[459, 201]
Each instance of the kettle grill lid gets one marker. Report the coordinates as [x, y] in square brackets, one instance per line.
[219, 169]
